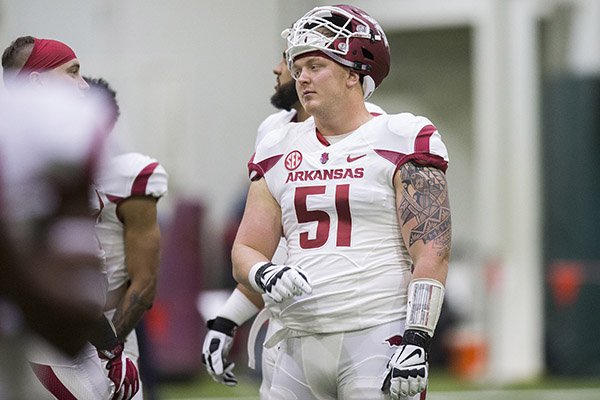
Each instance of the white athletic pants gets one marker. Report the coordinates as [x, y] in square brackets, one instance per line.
[344, 366]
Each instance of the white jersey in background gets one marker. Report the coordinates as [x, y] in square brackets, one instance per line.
[274, 121]
[338, 204]
[127, 175]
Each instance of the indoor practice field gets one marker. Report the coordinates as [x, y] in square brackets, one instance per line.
[442, 387]
[469, 230]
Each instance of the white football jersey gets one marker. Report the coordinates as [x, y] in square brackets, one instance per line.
[127, 175]
[274, 121]
[339, 217]
[284, 117]
[278, 120]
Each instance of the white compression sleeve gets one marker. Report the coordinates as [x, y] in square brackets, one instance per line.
[238, 308]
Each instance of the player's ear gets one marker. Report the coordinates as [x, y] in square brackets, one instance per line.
[353, 79]
[35, 78]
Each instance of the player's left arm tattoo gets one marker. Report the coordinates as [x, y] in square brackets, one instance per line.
[425, 206]
[129, 312]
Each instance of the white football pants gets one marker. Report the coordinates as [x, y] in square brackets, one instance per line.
[344, 366]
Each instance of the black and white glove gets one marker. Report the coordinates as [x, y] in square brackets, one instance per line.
[215, 350]
[279, 282]
[408, 370]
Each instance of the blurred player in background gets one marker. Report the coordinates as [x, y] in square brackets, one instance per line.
[51, 144]
[41, 66]
[243, 304]
[127, 193]
[363, 205]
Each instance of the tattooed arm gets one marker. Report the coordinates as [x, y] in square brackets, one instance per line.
[142, 251]
[423, 210]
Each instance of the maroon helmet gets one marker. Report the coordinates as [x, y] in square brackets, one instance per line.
[347, 35]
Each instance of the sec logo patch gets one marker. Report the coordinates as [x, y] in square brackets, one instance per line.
[293, 160]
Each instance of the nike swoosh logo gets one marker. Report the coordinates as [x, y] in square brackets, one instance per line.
[352, 159]
[417, 352]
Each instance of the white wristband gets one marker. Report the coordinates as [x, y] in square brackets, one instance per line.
[425, 299]
[252, 276]
[238, 308]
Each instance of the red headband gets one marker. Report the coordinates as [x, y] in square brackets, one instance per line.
[47, 54]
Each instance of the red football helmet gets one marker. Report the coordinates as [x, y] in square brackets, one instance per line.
[347, 35]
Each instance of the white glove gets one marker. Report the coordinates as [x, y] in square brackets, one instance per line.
[279, 282]
[408, 370]
[215, 349]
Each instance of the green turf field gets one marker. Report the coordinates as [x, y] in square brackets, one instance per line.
[441, 387]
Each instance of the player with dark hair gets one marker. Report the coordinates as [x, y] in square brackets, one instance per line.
[243, 304]
[362, 202]
[104, 91]
[51, 145]
[46, 68]
[127, 192]
[30, 60]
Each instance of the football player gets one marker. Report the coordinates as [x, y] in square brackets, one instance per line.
[127, 193]
[362, 203]
[42, 66]
[51, 144]
[243, 303]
